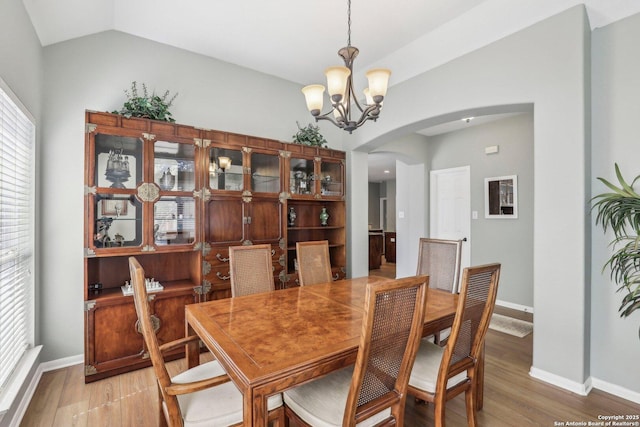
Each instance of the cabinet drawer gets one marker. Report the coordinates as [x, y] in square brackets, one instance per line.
[219, 256]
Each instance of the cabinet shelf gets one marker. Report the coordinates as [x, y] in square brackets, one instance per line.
[336, 245]
[115, 294]
[319, 227]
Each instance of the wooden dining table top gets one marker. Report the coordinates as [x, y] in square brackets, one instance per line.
[271, 341]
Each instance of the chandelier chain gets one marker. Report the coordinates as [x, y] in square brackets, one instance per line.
[349, 23]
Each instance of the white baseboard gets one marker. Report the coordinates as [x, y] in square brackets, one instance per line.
[616, 390]
[33, 384]
[582, 389]
[513, 306]
[65, 362]
[586, 387]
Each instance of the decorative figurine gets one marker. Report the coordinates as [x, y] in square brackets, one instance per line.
[324, 216]
[292, 216]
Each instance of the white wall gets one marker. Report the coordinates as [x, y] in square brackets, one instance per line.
[615, 346]
[507, 241]
[546, 65]
[410, 213]
[21, 55]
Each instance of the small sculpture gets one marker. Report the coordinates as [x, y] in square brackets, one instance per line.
[102, 231]
[324, 216]
[292, 216]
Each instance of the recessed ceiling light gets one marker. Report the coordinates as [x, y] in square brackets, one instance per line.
[467, 119]
[387, 171]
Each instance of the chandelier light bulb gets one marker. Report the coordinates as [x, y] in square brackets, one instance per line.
[337, 78]
[314, 95]
[378, 82]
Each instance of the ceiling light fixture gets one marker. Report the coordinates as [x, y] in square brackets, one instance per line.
[340, 88]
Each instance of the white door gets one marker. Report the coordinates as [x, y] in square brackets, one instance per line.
[450, 207]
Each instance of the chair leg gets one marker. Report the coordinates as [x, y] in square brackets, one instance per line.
[471, 406]
[397, 411]
[162, 421]
[280, 419]
[439, 412]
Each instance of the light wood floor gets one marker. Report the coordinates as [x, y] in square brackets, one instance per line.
[512, 397]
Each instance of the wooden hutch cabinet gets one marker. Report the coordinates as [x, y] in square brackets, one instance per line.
[176, 197]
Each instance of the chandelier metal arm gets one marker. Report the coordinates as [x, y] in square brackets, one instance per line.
[371, 112]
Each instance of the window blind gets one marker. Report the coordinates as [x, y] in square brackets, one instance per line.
[17, 136]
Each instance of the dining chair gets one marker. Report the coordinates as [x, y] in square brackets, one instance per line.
[314, 265]
[373, 391]
[440, 260]
[441, 373]
[251, 269]
[202, 395]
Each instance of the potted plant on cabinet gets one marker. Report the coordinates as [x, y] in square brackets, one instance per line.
[620, 211]
[309, 135]
[149, 107]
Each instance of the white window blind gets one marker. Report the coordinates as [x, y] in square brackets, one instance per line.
[17, 136]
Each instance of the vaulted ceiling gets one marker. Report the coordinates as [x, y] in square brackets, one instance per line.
[297, 39]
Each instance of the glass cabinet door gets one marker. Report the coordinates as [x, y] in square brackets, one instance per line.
[174, 221]
[265, 173]
[301, 176]
[174, 213]
[331, 178]
[118, 168]
[174, 166]
[225, 169]
[118, 161]
[118, 221]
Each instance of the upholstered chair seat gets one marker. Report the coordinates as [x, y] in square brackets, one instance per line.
[216, 406]
[321, 403]
[426, 366]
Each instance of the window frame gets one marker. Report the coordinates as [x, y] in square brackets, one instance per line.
[11, 387]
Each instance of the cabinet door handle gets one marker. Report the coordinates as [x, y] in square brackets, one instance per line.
[155, 324]
[221, 277]
[221, 258]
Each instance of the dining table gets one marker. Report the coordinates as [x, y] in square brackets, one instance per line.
[272, 341]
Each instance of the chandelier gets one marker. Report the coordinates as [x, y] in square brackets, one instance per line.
[341, 92]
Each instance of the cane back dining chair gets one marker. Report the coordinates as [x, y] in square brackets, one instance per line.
[373, 391]
[440, 260]
[251, 269]
[441, 373]
[314, 265]
[202, 395]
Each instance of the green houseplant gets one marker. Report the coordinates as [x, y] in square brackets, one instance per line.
[309, 135]
[149, 107]
[619, 210]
